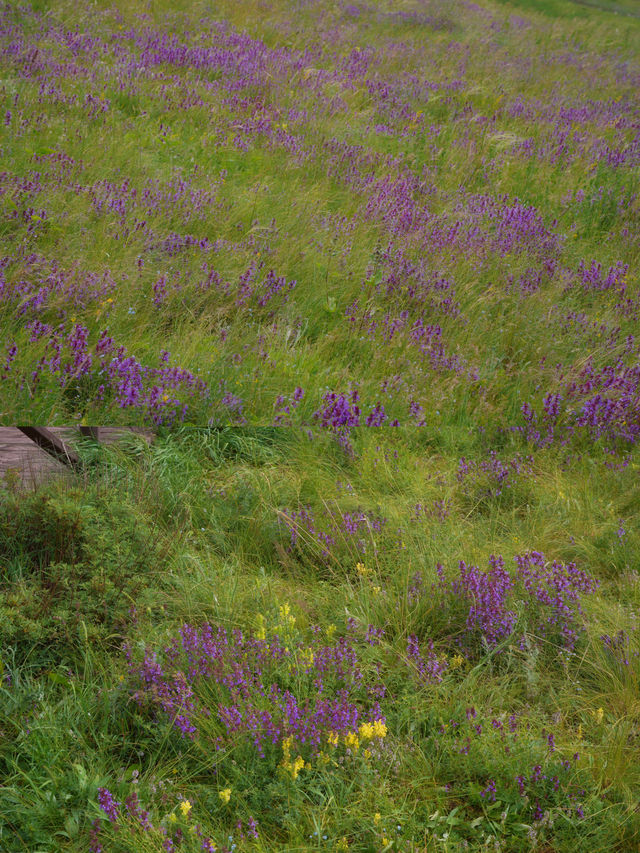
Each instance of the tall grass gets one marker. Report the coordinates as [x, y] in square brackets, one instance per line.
[196, 529]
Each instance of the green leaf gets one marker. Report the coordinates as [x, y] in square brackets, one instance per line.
[71, 825]
[56, 678]
[82, 775]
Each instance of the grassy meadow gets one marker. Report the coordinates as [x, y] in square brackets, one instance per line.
[247, 213]
[250, 640]
[369, 271]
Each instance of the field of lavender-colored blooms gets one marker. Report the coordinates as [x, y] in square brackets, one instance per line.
[321, 213]
[369, 271]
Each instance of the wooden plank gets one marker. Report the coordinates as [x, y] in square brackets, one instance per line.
[90, 432]
[27, 462]
[22, 461]
[51, 444]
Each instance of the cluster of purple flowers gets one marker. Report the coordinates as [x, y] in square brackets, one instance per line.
[429, 667]
[541, 791]
[136, 818]
[489, 594]
[598, 404]
[492, 475]
[546, 593]
[339, 413]
[554, 591]
[285, 408]
[259, 690]
[440, 509]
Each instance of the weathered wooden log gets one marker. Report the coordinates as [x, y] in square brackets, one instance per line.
[51, 444]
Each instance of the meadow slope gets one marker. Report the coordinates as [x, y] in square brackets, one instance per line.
[370, 272]
[318, 213]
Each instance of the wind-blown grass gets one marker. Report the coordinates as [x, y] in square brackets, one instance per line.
[223, 215]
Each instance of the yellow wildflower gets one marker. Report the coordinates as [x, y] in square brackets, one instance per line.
[379, 729]
[286, 743]
[377, 818]
[343, 844]
[351, 741]
[185, 808]
[172, 817]
[376, 590]
[297, 766]
[362, 570]
[599, 715]
[286, 752]
[332, 738]
[579, 735]
[323, 758]
[287, 620]
[331, 629]
[225, 795]
[367, 753]
[366, 731]
[261, 633]
[456, 661]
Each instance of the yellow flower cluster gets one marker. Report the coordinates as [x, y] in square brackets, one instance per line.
[352, 741]
[456, 661]
[368, 731]
[362, 570]
[287, 619]
[185, 808]
[225, 795]
[294, 767]
[261, 633]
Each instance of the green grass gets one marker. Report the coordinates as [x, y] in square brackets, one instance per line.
[187, 531]
[520, 741]
[567, 8]
[289, 214]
